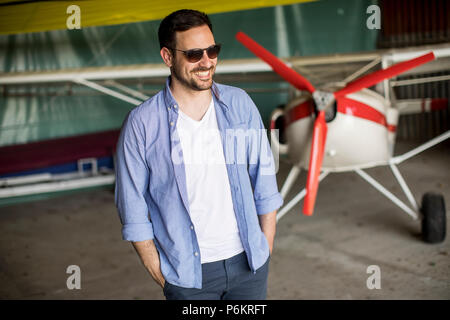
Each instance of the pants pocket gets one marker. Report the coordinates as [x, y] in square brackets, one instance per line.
[166, 285]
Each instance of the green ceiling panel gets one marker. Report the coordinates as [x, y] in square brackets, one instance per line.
[316, 28]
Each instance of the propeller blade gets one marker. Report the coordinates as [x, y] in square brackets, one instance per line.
[315, 163]
[277, 65]
[380, 75]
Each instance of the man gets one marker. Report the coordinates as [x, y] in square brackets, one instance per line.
[199, 208]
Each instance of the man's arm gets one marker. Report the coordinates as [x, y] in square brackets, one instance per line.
[268, 223]
[150, 258]
[262, 174]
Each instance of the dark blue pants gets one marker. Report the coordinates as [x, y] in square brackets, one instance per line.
[230, 279]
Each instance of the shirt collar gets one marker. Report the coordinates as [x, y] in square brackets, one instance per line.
[170, 100]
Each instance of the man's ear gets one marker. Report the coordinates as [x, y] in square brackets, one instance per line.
[167, 57]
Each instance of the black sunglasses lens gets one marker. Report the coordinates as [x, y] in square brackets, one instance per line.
[194, 55]
[213, 51]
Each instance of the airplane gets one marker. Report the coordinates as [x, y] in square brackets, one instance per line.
[343, 127]
[58, 167]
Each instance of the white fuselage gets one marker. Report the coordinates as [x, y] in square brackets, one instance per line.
[361, 135]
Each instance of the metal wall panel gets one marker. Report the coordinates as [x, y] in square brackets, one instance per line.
[414, 22]
[408, 23]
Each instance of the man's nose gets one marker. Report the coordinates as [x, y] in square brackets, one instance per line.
[205, 61]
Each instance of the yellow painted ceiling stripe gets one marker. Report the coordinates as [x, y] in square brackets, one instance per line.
[23, 16]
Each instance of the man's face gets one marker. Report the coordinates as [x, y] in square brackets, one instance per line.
[198, 75]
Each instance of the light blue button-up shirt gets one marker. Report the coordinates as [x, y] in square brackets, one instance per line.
[151, 194]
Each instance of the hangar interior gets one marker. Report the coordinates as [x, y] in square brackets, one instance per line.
[65, 94]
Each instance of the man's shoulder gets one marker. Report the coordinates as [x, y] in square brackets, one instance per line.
[234, 97]
[228, 92]
[237, 99]
[147, 109]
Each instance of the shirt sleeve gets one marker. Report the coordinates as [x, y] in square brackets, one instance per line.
[132, 178]
[262, 166]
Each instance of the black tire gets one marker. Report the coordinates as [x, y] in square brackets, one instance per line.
[433, 218]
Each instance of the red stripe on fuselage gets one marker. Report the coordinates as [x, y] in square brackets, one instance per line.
[298, 112]
[362, 110]
[35, 155]
[439, 104]
[345, 106]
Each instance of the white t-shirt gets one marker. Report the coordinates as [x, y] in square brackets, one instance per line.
[210, 203]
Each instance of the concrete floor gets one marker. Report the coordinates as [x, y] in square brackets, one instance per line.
[320, 257]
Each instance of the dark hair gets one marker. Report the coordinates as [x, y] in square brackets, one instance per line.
[180, 20]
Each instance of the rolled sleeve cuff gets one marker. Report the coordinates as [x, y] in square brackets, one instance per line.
[137, 231]
[267, 205]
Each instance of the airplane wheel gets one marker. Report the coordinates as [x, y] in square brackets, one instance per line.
[433, 218]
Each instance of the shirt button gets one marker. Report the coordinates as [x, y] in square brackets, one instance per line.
[196, 254]
[175, 106]
[171, 123]
[168, 108]
[192, 227]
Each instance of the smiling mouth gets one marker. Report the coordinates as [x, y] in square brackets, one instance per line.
[203, 74]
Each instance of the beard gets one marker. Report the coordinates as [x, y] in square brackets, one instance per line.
[192, 83]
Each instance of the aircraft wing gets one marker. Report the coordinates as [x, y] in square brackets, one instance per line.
[335, 69]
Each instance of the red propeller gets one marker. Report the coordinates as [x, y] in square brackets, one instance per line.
[320, 126]
[315, 162]
[380, 75]
[277, 65]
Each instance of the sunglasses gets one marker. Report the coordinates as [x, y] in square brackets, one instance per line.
[195, 55]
